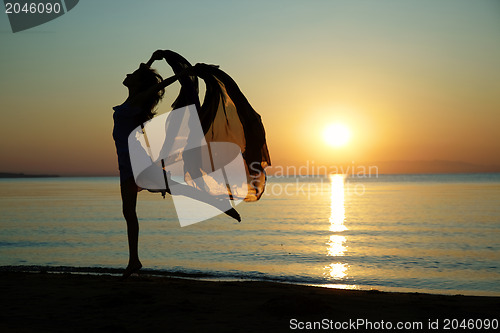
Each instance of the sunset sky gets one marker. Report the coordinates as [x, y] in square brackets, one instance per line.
[412, 80]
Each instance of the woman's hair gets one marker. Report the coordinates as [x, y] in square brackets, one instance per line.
[150, 77]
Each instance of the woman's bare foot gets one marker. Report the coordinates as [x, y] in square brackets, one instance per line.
[133, 267]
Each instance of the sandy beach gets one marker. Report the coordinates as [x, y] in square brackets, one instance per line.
[63, 302]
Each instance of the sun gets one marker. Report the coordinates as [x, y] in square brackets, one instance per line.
[336, 135]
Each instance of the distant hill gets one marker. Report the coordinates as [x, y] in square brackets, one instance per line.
[432, 167]
[22, 175]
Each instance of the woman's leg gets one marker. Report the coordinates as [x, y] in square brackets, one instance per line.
[129, 202]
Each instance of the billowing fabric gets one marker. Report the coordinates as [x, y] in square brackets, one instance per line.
[227, 116]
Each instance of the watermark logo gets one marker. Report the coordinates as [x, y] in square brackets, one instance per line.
[169, 153]
[24, 14]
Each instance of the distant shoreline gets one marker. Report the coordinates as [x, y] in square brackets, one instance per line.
[7, 175]
[22, 175]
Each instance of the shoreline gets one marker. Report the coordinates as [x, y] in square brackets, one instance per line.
[48, 302]
[203, 276]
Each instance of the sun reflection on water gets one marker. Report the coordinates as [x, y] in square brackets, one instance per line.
[337, 209]
[337, 271]
[336, 244]
[336, 247]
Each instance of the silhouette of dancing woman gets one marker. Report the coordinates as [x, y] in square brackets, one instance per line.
[145, 90]
[226, 116]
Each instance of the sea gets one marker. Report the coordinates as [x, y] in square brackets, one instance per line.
[407, 233]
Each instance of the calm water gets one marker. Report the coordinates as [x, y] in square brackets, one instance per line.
[436, 233]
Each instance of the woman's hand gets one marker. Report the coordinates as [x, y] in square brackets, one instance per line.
[157, 55]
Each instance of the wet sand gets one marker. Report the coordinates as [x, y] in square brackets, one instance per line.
[69, 302]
